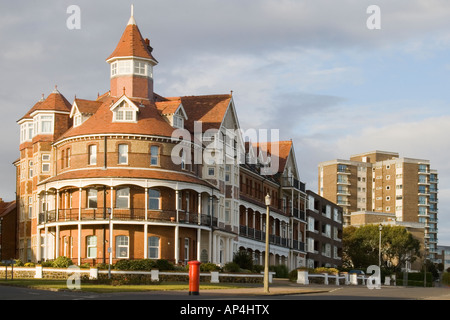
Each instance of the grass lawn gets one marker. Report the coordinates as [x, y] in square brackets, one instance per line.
[57, 285]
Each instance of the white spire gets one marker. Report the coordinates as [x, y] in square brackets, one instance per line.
[132, 21]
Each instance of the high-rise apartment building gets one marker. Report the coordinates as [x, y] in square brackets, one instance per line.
[380, 181]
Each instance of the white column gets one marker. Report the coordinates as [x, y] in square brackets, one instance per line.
[57, 205]
[177, 243]
[57, 241]
[177, 203]
[45, 243]
[199, 240]
[199, 208]
[38, 243]
[209, 246]
[110, 240]
[214, 247]
[146, 225]
[79, 243]
[79, 204]
[112, 202]
[146, 204]
[145, 240]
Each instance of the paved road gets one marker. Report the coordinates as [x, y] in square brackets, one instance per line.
[312, 292]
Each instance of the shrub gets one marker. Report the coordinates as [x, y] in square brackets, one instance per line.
[243, 259]
[257, 268]
[122, 265]
[62, 262]
[85, 265]
[231, 267]
[18, 263]
[281, 271]
[47, 264]
[164, 265]
[29, 264]
[208, 267]
[326, 270]
[103, 266]
[446, 278]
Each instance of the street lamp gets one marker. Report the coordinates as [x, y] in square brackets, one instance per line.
[379, 247]
[266, 262]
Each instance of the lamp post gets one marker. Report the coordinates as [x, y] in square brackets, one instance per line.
[379, 247]
[266, 262]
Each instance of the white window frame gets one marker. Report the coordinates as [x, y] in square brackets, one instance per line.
[120, 197]
[92, 195]
[186, 249]
[154, 156]
[122, 242]
[153, 248]
[152, 198]
[123, 154]
[92, 154]
[91, 245]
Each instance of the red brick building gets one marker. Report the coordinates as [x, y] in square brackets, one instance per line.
[8, 229]
[133, 175]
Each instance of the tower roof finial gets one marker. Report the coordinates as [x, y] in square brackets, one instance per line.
[132, 21]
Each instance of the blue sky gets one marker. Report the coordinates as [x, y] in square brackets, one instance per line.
[309, 68]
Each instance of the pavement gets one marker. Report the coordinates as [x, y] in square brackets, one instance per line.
[278, 287]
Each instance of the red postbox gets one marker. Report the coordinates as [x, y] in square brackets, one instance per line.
[194, 277]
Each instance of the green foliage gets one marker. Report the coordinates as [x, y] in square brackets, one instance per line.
[257, 268]
[281, 271]
[231, 267]
[244, 259]
[103, 266]
[325, 270]
[164, 265]
[47, 264]
[29, 264]
[446, 278]
[208, 267]
[18, 263]
[62, 262]
[144, 265]
[361, 247]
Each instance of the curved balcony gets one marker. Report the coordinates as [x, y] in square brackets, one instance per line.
[133, 214]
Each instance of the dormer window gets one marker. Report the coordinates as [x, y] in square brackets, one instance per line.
[77, 120]
[178, 121]
[125, 113]
[124, 110]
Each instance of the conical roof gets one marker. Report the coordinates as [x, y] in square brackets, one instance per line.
[132, 44]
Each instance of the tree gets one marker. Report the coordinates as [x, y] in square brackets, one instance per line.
[399, 247]
[361, 247]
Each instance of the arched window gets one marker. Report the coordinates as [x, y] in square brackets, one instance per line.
[154, 199]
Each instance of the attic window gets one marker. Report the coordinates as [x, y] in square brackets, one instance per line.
[124, 113]
[77, 120]
[178, 121]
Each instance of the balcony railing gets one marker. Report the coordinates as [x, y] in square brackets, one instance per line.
[133, 214]
[259, 235]
[292, 182]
